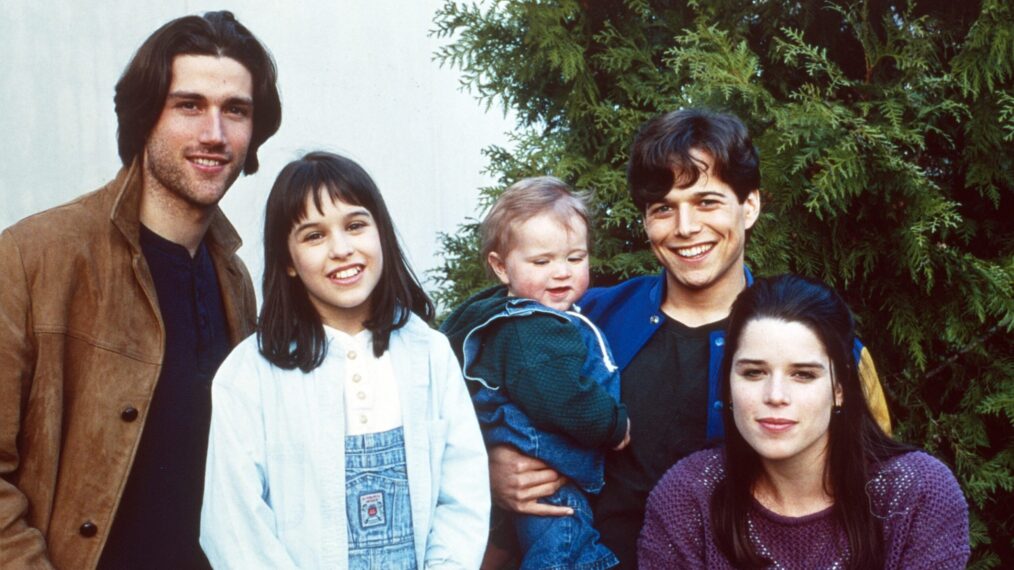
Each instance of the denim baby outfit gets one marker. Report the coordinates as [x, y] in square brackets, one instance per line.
[545, 383]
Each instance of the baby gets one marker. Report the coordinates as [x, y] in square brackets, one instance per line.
[544, 378]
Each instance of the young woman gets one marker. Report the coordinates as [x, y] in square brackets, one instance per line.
[342, 435]
[806, 479]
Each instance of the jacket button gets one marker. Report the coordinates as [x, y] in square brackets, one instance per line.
[88, 529]
[655, 319]
[129, 414]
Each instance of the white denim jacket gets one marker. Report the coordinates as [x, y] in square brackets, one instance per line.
[274, 494]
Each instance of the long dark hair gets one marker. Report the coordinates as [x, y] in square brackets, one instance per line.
[290, 333]
[855, 440]
[142, 89]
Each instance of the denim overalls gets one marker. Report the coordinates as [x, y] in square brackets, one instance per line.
[377, 502]
[552, 542]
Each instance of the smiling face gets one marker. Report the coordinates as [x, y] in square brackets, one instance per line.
[548, 261]
[698, 234]
[781, 391]
[337, 255]
[198, 146]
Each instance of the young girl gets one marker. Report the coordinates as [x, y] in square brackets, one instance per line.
[342, 435]
[807, 479]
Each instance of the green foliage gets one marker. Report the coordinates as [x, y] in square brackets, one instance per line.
[886, 135]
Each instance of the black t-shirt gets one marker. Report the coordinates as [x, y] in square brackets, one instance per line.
[157, 523]
[665, 389]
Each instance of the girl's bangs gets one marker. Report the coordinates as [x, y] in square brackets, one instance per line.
[313, 185]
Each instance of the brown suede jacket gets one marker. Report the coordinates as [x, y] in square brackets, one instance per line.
[81, 347]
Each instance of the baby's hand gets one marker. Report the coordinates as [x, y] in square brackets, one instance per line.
[626, 438]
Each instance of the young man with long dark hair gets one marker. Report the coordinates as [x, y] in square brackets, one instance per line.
[118, 307]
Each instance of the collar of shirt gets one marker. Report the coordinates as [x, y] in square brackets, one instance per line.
[372, 402]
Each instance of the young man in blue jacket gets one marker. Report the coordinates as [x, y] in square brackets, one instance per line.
[695, 177]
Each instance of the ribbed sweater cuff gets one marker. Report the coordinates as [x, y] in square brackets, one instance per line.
[619, 427]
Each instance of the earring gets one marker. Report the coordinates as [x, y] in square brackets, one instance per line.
[836, 410]
[728, 406]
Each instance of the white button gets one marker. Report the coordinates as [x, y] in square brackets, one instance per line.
[361, 395]
[356, 377]
[654, 319]
[363, 419]
[351, 354]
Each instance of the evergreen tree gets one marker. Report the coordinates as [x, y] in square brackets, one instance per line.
[886, 135]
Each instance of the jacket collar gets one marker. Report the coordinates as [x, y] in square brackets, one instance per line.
[125, 213]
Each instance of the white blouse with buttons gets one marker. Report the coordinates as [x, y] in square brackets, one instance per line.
[372, 403]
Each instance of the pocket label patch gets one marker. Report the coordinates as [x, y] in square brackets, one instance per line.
[371, 509]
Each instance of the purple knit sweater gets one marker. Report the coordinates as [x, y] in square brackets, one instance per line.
[924, 514]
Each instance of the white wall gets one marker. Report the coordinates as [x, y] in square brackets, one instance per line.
[356, 77]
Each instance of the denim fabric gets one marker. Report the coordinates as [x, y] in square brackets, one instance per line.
[377, 502]
[558, 543]
[569, 542]
[275, 490]
[504, 423]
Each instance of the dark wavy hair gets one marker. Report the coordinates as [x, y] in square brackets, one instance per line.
[290, 333]
[660, 155]
[142, 89]
[855, 440]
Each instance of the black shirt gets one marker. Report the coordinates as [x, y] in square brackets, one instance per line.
[158, 520]
[665, 389]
